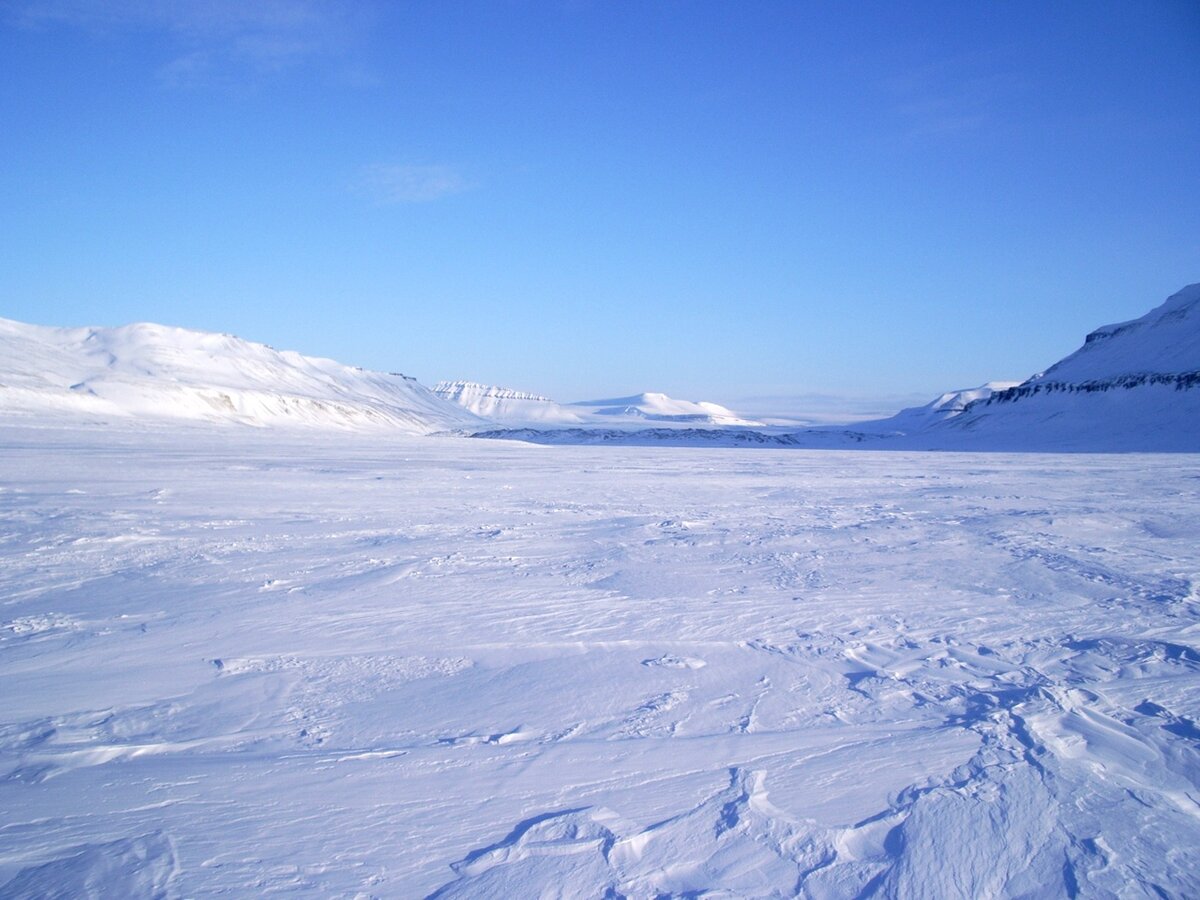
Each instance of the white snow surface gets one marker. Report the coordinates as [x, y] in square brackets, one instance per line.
[245, 662]
[158, 372]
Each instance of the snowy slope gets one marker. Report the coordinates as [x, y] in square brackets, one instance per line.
[1131, 386]
[505, 405]
[155, 371]
[1165, 341]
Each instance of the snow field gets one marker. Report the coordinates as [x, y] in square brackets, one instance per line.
[241, 662]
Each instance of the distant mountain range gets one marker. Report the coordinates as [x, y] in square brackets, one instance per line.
[1132, 386]
[516, 408]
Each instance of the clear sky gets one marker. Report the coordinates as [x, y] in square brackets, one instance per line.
[719, 200]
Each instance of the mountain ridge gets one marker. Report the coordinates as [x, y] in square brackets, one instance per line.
[1132, 385]
[161, 372]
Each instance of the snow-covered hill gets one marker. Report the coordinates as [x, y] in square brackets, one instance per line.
[1165, 340]
[147, 371]
[1132, 386]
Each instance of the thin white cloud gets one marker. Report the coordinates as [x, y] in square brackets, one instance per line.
[215, 40]
[388, 184]
[190, 17]
[964, 93]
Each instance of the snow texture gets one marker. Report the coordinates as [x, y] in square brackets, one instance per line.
[245, 662]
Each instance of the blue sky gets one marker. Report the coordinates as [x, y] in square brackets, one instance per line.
[869, 202]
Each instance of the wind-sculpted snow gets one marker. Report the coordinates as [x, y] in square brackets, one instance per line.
[244, 663]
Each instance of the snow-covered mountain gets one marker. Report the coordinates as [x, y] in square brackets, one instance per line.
[1165, 340]
[159, 372]
[517, 408]
[505, 405]
[659, 408]
[1132, 386]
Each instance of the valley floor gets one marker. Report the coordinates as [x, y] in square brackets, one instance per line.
[237, 662]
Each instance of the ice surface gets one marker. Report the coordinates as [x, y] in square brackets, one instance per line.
[248, 662]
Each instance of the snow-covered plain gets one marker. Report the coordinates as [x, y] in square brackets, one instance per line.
[254, 662]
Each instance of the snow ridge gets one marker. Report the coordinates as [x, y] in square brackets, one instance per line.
[1165, 340]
